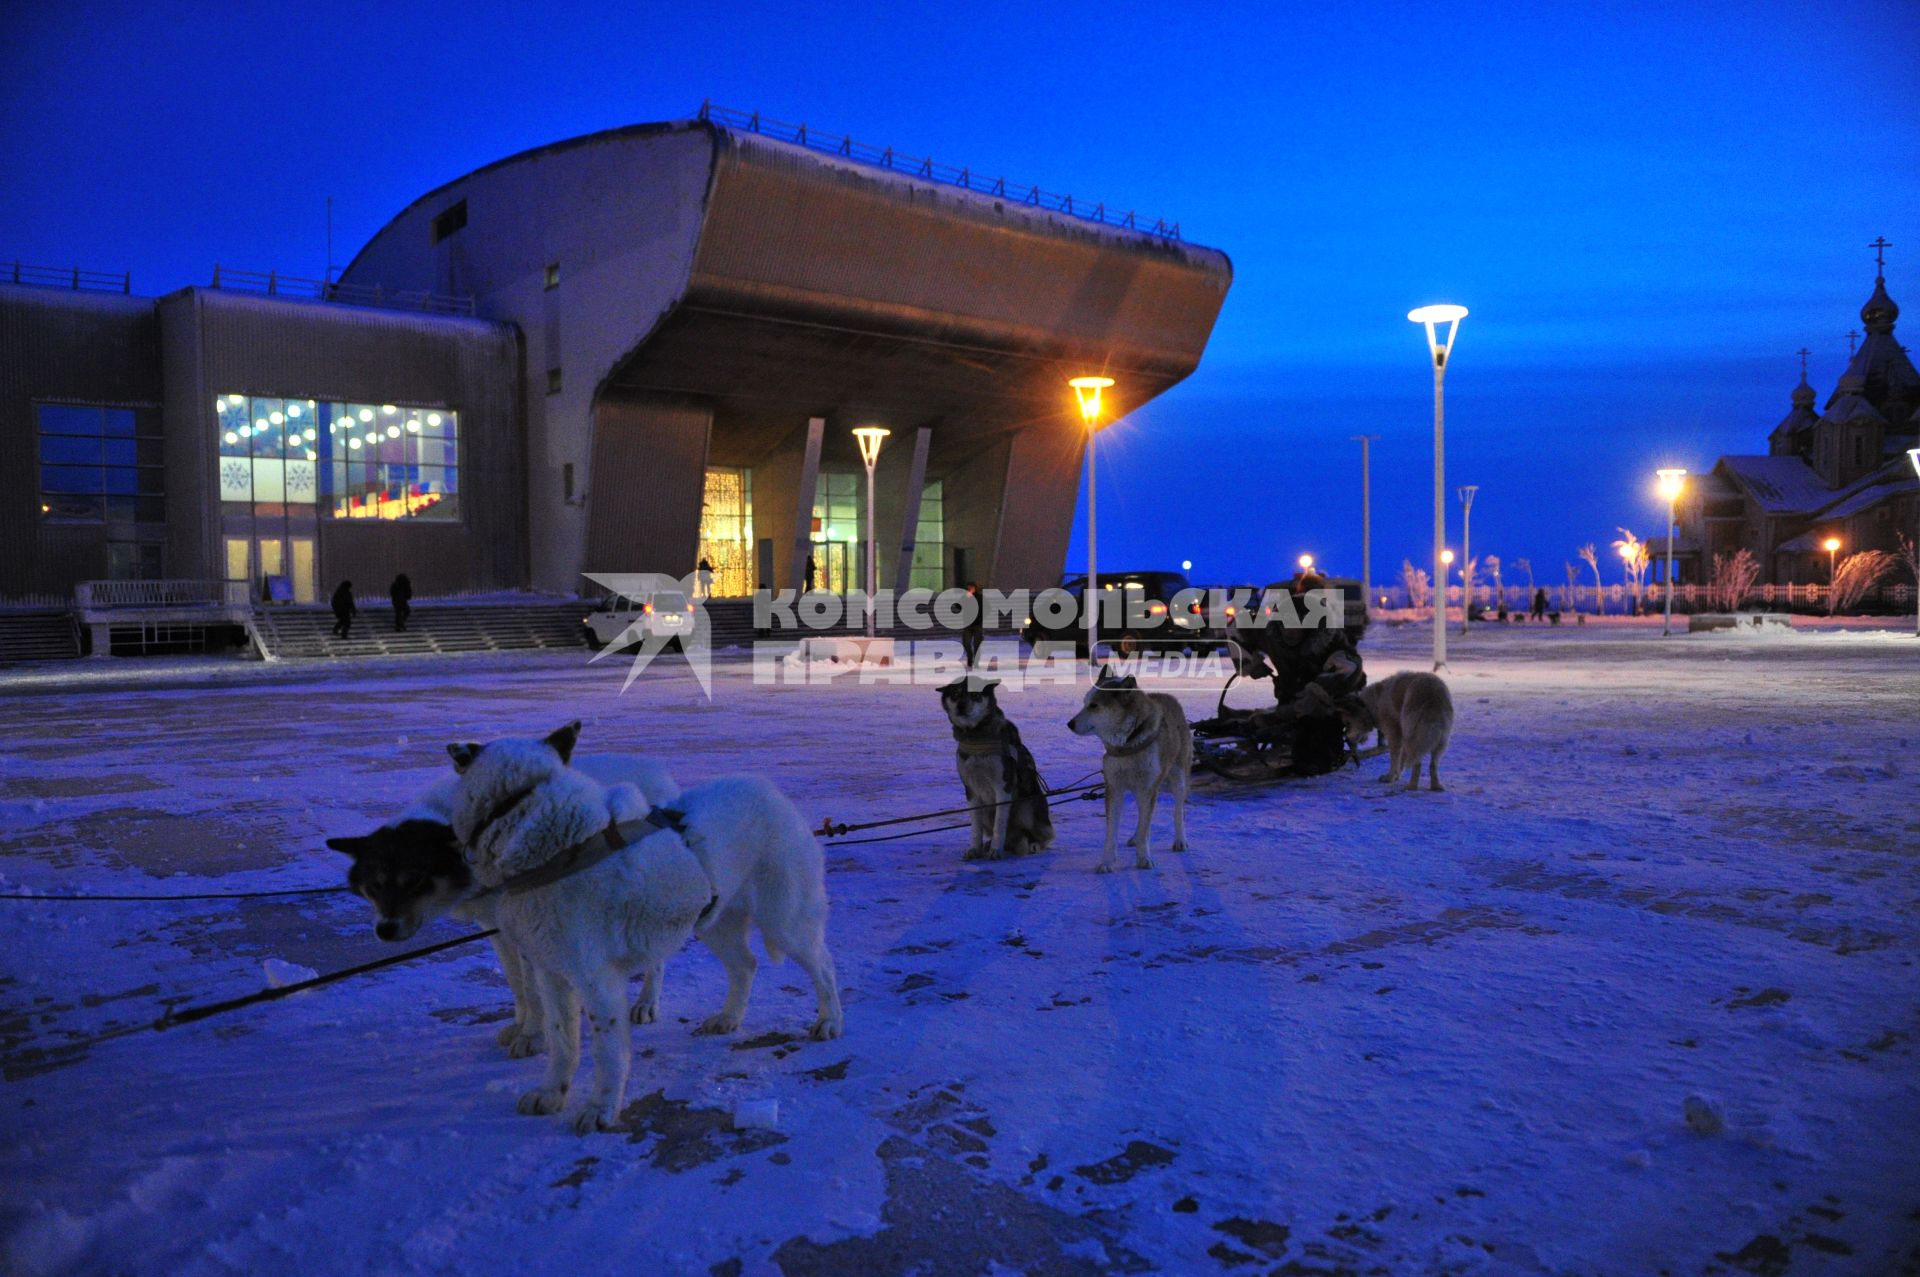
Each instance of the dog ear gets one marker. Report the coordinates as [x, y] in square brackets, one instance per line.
[352, 846]
[1106, 674]
[988, 685]
[1128, 684]
[563, 740]
[463, 754]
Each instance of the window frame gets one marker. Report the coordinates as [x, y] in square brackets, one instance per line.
[149, 478]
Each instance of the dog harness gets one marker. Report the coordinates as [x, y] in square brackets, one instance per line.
[1138, 743]
[616, 837]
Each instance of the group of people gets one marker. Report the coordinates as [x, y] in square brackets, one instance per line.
[400, 593]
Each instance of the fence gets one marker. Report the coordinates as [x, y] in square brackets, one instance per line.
[918, 166]
[97, 596]
[70, 277]
[1618, 599]
[274, 284]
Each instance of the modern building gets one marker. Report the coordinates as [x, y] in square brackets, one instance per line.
[1841, 473]
[624, 352]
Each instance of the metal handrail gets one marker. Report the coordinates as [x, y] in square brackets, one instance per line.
[919, 166]
[274, 284]
[69, 277]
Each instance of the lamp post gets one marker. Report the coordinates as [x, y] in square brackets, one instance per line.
[1439, 350]
[1087, 391]
[1467, 493]
[1913, 455]
[1440, 593]
[870, 438]
[1672, 482]
[1832, 546]
[1366, 515]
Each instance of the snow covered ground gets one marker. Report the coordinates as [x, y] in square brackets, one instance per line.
[1351, 1031]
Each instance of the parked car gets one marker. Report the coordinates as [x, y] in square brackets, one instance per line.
[1355, 612]
[1139, 607]
[1238, 598]
[621, 621]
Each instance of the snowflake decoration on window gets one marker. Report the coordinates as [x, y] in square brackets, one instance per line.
[235, 473]
[300, 479]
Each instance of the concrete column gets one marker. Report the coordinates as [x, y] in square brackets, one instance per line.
[803, 500]
[910, 508]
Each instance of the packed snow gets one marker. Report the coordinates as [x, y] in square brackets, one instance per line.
[1636, 995]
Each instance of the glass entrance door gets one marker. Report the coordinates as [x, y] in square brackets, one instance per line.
[240, 562]
[301, 569]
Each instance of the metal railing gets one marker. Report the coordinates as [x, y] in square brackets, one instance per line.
[920, 166]
[94, 596]
[274, 284]
[69, 277]
[1618, 599]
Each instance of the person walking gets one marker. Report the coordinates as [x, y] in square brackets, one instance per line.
[975, 631]
[401, 592]
[703, 580]
[813, 570]
[1540, 603]
[343, 610]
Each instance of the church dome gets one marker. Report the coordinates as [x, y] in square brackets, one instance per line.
[1880, 311]
[1803, 393]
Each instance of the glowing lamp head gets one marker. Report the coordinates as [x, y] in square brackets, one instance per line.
[1087, 391]
[870, 438]
[1438, 345]
[1306, 563]
[1671, 482]
[1830, 544]
[1913, 455]
[1446, 557]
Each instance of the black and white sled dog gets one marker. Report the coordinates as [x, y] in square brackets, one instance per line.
[1009, 801]
[593, 883]
[412, 872]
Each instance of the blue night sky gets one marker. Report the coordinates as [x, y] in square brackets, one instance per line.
[1649, 208]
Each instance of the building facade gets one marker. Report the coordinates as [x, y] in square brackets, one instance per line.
[1841, 473]
[668, 333]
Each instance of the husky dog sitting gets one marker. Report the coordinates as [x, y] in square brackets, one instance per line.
[1009, 801]
[1149, 748]
[591, 884]
[1414, 712]
[412, 872]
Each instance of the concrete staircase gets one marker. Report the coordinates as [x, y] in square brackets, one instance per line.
[38, 636]
[307, 632]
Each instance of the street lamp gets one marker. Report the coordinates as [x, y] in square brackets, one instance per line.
[1913, 455]
[1832, 546]
[1366, 514]
[1439, 350]
[1087, 391]
[1672, 482]
[1446, 574]
[1306, 563]
[870, 438]
[1467, 493]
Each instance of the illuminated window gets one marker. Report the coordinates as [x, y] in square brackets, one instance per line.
[839, 524]
[348, 460]
[100, 464]
[930, 540]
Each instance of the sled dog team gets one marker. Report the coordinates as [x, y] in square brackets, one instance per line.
[596, 869]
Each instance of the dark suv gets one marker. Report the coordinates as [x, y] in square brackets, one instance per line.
[1157, 608]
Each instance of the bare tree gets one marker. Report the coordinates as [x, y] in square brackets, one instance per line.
[1570, 596]
[1733, 578]
[1910, 554]
[1499, 586]
[1857, 574]
[1418, 584]
[1635, 556]
[1593, 561]
[1526, 565]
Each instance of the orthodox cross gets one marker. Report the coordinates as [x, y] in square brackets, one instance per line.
[1880, 247]
[1853, 335]
[1804, 352]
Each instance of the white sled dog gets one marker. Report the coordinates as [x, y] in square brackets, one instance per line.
[412, 872]
[1414, 712]
[1149, 748]
[591, 884]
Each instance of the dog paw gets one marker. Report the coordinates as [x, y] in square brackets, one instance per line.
[1178, 846]
[1104, 867]
[1143, 862]
[644, 1012]
[975, 853]
[522, 1044]
[542, 1100]
[508, 1032]
[592, 1119]
[717, 1023]
[826, 1028]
